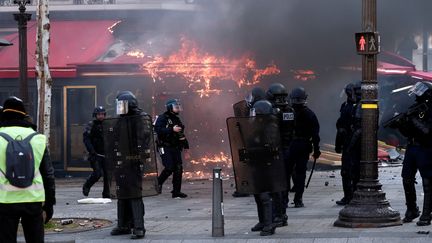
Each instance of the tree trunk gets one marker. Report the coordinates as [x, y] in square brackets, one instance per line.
[44, 81]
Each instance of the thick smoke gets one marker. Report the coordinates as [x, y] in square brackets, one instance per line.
[294, 34]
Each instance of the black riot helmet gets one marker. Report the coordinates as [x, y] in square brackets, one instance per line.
[255, 95]
[126, 103]
[349, 91]
[422, 90]
[277, 94]
[173, 105]
[298, 96]
[99, 109]
[357, 91]
[262, 107]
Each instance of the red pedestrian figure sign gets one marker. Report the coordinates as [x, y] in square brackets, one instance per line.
[367, 43]
[362, 43]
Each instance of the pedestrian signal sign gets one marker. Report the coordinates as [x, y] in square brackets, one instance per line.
[367, 43]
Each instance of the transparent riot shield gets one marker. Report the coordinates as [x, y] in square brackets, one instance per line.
[256, 154]
[241, 109]
[130, 156]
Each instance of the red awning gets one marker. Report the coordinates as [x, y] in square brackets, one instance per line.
[72, 42]
[421, 75]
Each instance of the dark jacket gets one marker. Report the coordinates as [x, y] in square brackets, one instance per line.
[306, 126]
[344, 126]
[46, 169]
[166, 136]
[287, 124]
[93, 137]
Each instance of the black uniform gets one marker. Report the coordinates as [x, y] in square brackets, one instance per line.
[170, 146]
[306, 139]
[94, 143]
[130, 206]
[280, 199]
[418, 129]
[343, 137]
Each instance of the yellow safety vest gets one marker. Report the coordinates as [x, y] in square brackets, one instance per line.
[35, 192]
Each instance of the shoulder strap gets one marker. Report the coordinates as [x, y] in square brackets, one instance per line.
[6, 136]
[29, 137]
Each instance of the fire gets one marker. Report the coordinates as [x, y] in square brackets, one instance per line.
[136, 53]
[200, 68]
[216, 159]
[304, 75]
[203, 169]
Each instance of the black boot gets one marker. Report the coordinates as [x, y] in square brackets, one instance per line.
[260, 225]
[85, 190]
[267, 214]
[425, 218]
[348, 192]
[120, 231]
[412, 211]
[137, 234]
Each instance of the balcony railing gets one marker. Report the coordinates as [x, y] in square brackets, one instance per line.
[9, 6]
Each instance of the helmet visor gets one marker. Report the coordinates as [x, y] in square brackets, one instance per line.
[418, 89]
[122, 107]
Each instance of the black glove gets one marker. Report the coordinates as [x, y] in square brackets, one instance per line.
[316, 154]
[49, 211]
[92, 156]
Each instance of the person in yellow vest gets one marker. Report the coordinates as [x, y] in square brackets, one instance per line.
[32, 203]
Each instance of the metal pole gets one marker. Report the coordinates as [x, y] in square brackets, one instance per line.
[425, 49]
[369, 206]
[217, 212]
[22, 19]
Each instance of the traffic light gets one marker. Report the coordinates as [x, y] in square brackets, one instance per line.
[367, 43]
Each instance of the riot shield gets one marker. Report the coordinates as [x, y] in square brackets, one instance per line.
[256, 155]
[241, 109]
[130, 156]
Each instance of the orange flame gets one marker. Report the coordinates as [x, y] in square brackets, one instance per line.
[200, 68]
[222, 160]
[136, 53]
[304, 75]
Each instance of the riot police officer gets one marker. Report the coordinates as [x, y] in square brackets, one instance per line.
[264, 199]
[343, 136]
[243, 109]
[306, 139]
[171, 142]
[93, 141]
[415, 124]
[353, 147]
[277, 95]
[130, 206]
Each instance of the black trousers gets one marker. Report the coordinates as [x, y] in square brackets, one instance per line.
[31, 221]
[298, 157]
[172, 162]
[130, 213]
[264, 208]
[99, 168]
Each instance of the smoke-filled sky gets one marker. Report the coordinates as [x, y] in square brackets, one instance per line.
[295, 34]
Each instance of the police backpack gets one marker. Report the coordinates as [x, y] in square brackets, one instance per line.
[20, 167]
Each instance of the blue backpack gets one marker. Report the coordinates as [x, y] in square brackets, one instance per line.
[20, 167]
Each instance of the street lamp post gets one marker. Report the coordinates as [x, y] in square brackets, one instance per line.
[22, 17]
[369, 206]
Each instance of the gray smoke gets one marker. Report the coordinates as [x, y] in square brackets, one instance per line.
[294, 34]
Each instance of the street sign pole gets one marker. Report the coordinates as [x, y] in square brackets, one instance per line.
[369, 207]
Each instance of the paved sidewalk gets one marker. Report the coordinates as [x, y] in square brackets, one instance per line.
[189, 220]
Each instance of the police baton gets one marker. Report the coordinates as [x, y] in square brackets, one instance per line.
[310, 176]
